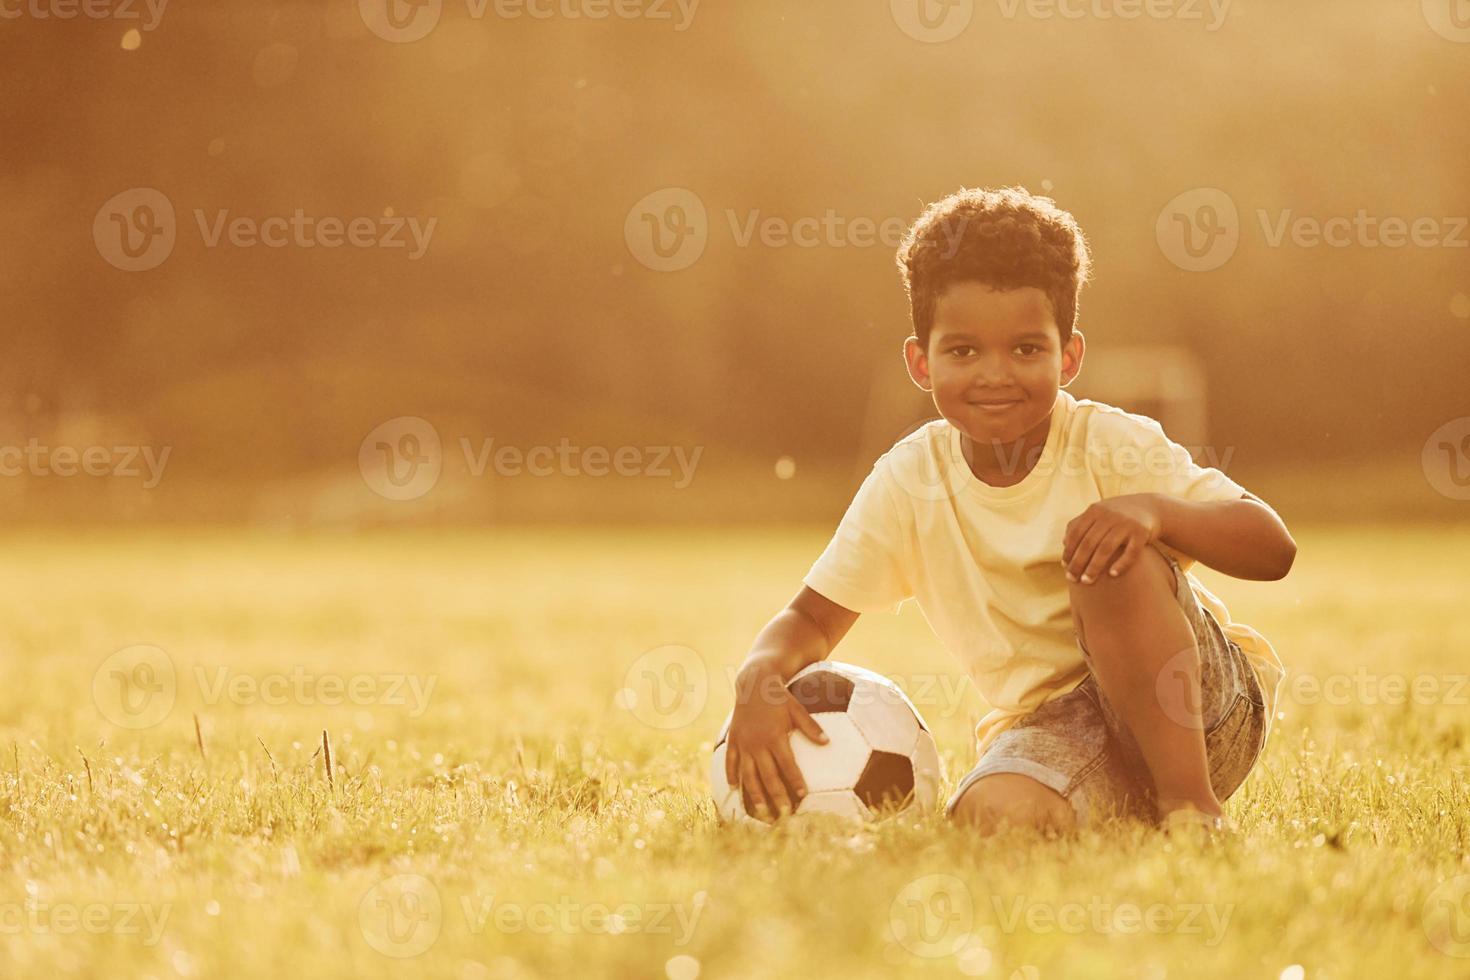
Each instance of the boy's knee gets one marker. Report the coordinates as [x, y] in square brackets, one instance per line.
[1150, 575]
[1151, 569]
[1011, 800]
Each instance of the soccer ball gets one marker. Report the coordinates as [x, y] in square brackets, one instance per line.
[880, 753]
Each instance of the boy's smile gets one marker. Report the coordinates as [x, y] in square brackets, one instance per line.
[993, 363]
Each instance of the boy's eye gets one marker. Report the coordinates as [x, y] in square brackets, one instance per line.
[961, 350]
[1027, 349]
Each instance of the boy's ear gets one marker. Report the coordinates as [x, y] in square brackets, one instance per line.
[917, 362]
[1072, 354]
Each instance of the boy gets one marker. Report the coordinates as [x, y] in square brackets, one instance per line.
[1047, 541]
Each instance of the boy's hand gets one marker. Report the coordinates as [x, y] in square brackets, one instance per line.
[1095, 537]
[758, 758]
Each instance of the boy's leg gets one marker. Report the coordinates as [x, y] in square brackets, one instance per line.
[1054, 769]
[1009, 799]
[1135, 632]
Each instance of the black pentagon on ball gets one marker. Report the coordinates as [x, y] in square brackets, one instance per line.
[822, 690]
[887, 778]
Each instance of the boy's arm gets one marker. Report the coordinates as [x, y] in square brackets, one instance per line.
[806, 631]
[1243, 537]
[758, 754]
[1154, 491]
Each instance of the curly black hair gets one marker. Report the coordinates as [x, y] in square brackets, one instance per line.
[1006, 238]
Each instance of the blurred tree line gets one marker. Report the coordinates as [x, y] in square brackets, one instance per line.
[527, 141]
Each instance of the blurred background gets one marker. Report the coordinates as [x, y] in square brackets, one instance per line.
[278, 275]
[348, 264]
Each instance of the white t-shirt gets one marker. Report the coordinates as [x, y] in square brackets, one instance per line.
[985, 562]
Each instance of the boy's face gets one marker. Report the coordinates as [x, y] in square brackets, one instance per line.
[994, 360]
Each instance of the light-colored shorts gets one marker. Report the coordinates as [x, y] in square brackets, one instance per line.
[1075, 744]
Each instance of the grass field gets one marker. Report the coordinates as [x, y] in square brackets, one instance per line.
[510, 796]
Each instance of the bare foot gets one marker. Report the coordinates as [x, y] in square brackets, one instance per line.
[1192, 822]
[1209, 807]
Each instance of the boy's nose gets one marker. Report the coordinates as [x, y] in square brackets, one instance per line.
[993, 372]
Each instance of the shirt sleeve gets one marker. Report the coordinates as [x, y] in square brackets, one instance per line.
[1134, 455]
[865, 566]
